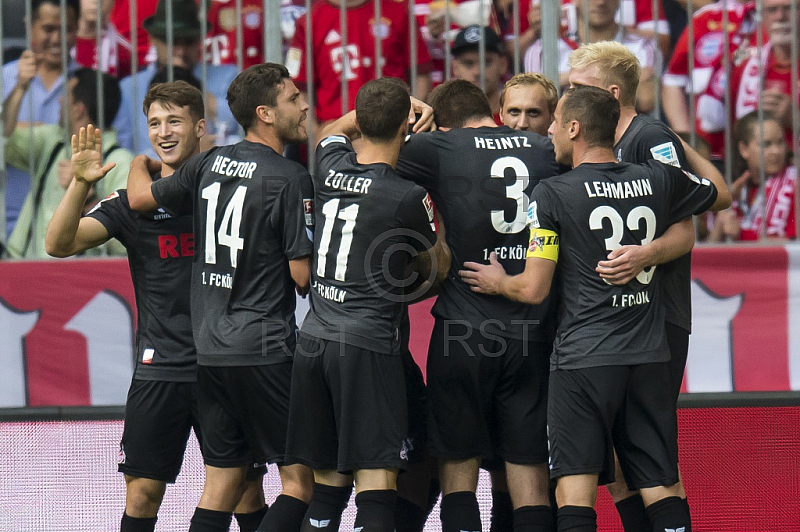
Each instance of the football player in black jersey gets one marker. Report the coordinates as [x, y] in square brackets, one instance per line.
[348, 415]
[487, 361]
[640, 138]
[609, 385]
[162, 402]
[252, 253]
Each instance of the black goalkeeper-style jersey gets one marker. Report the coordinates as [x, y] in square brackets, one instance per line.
[592, 210]
[248, 212]
[646, 139]
[480, 180]
[369, 222]
[160, 249]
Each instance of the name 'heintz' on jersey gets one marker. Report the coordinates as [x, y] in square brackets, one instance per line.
[480, 179]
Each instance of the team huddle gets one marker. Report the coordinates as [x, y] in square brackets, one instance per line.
[561, 324]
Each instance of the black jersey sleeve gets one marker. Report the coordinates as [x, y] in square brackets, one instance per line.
[419, 160]
[116, 216]
[176, 192]
[543, 210]
[415, 212]
[660, 144]
[688, 194]
[288, 218]
[332, 148]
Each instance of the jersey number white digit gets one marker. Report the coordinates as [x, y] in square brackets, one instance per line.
[331, 212]
[634, 217]
[515, 192]
[232, 216]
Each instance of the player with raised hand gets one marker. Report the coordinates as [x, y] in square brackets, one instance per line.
[252, 253]
[349, 417]
[162, 402]
[609, 378]
[487, 361]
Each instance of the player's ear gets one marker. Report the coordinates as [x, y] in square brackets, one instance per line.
[574, 129]
[615, 90]
[266, 114]
[200, 128]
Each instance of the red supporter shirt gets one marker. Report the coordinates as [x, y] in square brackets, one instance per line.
[221, 40]
[707, 81]
[328, 53]
[115, 48]
[636, 14]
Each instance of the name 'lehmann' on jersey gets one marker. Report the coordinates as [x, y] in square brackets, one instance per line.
[622, 190]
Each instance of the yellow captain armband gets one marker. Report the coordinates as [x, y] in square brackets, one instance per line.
[543, 245]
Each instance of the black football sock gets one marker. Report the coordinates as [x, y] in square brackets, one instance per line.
[685, 503]
[434, 490]
[285, 515]
[210, 521]
[669, 514]
[633, 515]
[250, 522]
[460, 512]
[408, 517]
[137, 524]
[502, 512]
[375, 511]
[326, 507]
[534, 519]
[577, 519]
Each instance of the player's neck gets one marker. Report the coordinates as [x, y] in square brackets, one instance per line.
[166, 170]
[607, 33]
[376, 153]
[626, 116]
[268, 138]
[486, 121]
[592, 154]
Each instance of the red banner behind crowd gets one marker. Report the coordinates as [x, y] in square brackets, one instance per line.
[66, 327]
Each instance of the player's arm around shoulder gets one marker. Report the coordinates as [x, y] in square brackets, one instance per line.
[705, 168]
[68, 233]
[140, 194]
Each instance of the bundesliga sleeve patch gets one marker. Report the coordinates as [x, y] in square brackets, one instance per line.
[666, 153]
[700, 181]
[100, 203]
[533, 216]
[543, 245]
[332, 139]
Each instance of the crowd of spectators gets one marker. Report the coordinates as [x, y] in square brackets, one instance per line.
[680, 71]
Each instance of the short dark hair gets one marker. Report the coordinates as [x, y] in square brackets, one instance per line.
[178, 94]
[36, 4]
[596, 110]
[382, 106]
[256, 86]
[178, 74]
[458, 101]
[85, 91]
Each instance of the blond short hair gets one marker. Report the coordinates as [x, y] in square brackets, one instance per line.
[530, 78]
[616, 64]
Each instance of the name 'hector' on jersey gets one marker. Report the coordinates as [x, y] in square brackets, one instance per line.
[230, 168]
[620, 190]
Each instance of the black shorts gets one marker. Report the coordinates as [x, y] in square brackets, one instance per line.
[593, 411]
[417, 398]
[244, 412]
[678, 341]
[348, 408]
[487, 395]
[158, 418]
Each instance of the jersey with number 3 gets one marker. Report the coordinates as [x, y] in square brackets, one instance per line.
[480, 180]
[369, 224]
[589, 212]
[247, 205]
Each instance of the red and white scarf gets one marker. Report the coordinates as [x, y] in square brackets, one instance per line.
[776, 200]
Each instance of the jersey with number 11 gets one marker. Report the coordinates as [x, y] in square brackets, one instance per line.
[247, 202]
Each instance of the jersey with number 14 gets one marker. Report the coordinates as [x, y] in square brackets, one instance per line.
[588, 212]
[247, 203]
[480, 180]
[369, 222]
